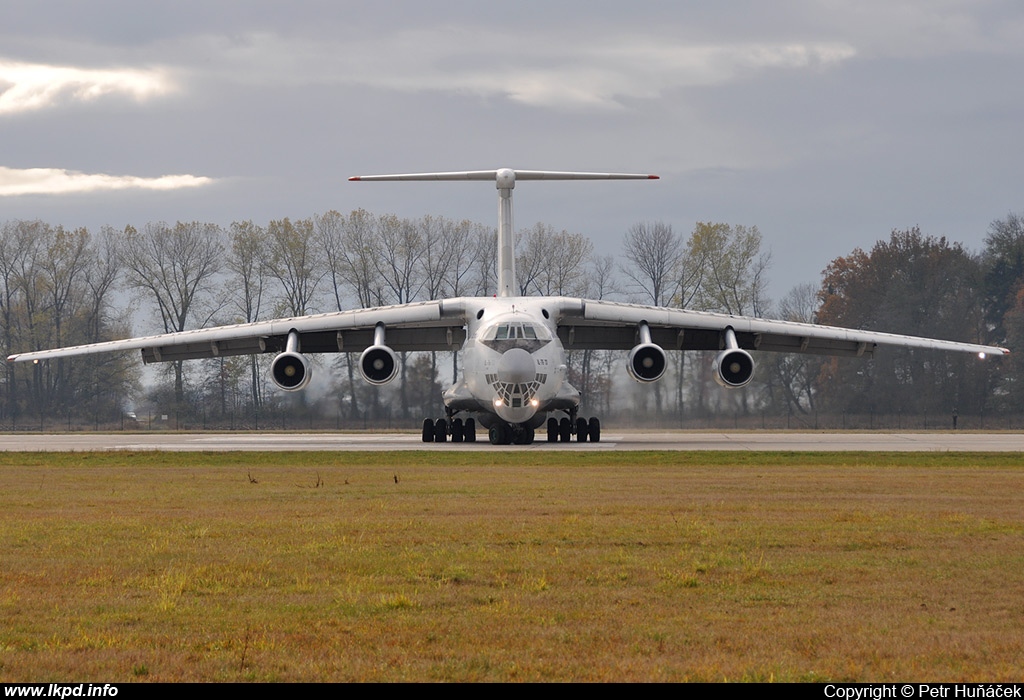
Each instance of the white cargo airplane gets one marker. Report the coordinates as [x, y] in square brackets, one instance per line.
[513, 347]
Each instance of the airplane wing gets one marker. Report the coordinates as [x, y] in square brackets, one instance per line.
[607, 325]
[428, 325]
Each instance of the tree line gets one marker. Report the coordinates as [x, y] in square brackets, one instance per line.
[61, 286]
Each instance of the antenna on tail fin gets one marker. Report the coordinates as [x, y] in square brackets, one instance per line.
[505, 179]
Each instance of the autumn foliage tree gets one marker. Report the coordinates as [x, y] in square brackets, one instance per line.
[910, 284]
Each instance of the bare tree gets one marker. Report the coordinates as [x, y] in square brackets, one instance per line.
[294, 260]
[733, 278]
[439, 249]
[174, 267]
[246, 262]
[485, 247]
[61, 266]
[595, 386]
[400, 248]
[793, 375]
[533, 249]
[349, 244]
[654, 253]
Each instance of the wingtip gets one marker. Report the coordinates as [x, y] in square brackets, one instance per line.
[354, 178]
[654, 177]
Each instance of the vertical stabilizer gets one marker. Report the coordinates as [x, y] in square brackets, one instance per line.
[506, 182]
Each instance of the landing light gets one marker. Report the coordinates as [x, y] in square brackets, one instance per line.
[497, 403]
[981, 356]
[535, 402]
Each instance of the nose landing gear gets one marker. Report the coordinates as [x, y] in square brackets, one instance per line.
[502, 433]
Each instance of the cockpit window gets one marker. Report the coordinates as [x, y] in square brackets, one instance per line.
[513, 331]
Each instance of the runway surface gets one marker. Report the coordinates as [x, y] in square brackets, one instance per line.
[668, 440]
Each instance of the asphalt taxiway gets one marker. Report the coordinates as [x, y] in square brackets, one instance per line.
[667, 440]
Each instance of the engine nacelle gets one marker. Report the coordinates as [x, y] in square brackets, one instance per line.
[378, 364]
[291, 371]
[646, 362]
[733, 368]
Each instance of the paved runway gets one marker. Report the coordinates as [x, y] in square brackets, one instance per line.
[667, 440]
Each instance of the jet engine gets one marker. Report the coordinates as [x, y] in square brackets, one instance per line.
[291, 371]
[733, 368]
[646, 361]
[378, 364]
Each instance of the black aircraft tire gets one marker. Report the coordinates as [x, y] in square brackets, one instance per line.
[428, 430]
[581, 430]
[500, 433]
[524, 436]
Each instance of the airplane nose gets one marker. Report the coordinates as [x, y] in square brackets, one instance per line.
[516, 366]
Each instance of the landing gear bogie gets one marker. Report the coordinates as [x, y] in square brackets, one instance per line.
[504, 433]
[562, 430]
[439, 430]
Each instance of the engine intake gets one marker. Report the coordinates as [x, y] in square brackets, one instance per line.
[378, 364]
[291, 371]
[646, 362]
[733, 368]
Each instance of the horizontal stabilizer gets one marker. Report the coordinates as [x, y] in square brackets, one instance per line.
[518, 175]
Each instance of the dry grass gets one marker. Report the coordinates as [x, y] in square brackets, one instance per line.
[582, 566]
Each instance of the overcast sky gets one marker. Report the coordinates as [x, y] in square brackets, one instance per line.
[825, 124]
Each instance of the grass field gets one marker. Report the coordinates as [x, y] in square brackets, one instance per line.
[663, 566]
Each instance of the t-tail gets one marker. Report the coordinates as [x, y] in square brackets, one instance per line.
[505, 179]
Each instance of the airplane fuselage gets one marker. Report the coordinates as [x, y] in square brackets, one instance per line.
[514, 365]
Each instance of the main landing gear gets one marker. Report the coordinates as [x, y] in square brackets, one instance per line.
[439, 430]
[562, 430]
[502, 433]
